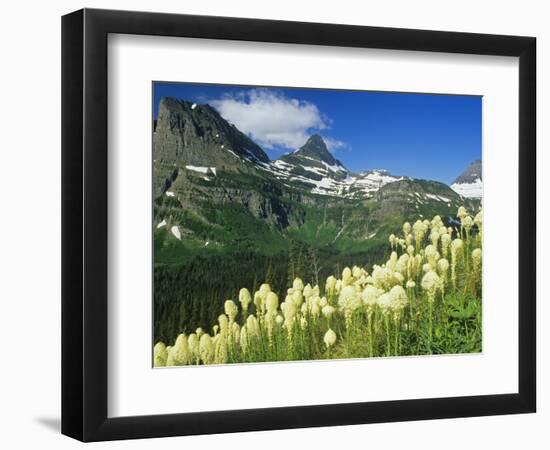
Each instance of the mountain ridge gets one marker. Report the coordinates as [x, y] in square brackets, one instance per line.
[215, 188]
[196, 137]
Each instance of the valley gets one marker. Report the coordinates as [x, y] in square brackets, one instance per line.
[226, 216]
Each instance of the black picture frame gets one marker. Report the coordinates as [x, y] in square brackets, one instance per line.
[84, 224]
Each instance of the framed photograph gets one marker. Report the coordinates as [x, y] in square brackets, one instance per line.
[273, 224]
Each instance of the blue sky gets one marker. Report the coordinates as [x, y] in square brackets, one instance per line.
[419, 135]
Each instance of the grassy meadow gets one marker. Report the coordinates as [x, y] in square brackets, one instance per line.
[424, 299]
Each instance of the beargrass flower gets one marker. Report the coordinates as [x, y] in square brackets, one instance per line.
[384, 302]
[456, 246]
[430, 283]
[298, 284]
[315, 309]
[402, 263]
[297, 298]
[462, 212]
[370, 296]
[245, 298]
[432, 255]
[244, 343]
[348, 299]
[223, 321]
[231, 310]
[442, 266]
[419, 230]
[466, 223]
[328, 311]
[434, 238]
[445, 242]
[478, 219]
[347, 277]
[193, 342]
[259, 302]
[330, 338]
[456, 249]
[160, 354]
[220, 349]
[252, 326]
[330, 285]
[265, 289]
[289, 312]
[179, 353]
[398, 297]
[382, 277]
[235, 332]
[436, 222]
[206, 349]
[271, 303]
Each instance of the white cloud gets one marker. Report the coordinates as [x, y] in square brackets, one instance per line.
[334, 144]
[272, 119]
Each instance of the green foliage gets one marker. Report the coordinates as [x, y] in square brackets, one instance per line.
[439, 313]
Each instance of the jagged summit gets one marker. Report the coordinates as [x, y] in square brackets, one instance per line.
[316, 148]
[314, 159]
[471, 173]
[470, 183]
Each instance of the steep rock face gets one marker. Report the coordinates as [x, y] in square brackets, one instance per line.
[469, 183]
[198, 135]
[190, 135]
[263, 198]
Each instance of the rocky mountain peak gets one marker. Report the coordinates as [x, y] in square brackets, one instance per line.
[470, 174]
[469, 183]
[316, 148]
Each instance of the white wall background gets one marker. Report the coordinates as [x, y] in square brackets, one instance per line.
[30, 221]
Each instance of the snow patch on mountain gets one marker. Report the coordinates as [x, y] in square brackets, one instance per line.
[200, 169]
[331, 180]
[469, 190]
[176, 232]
